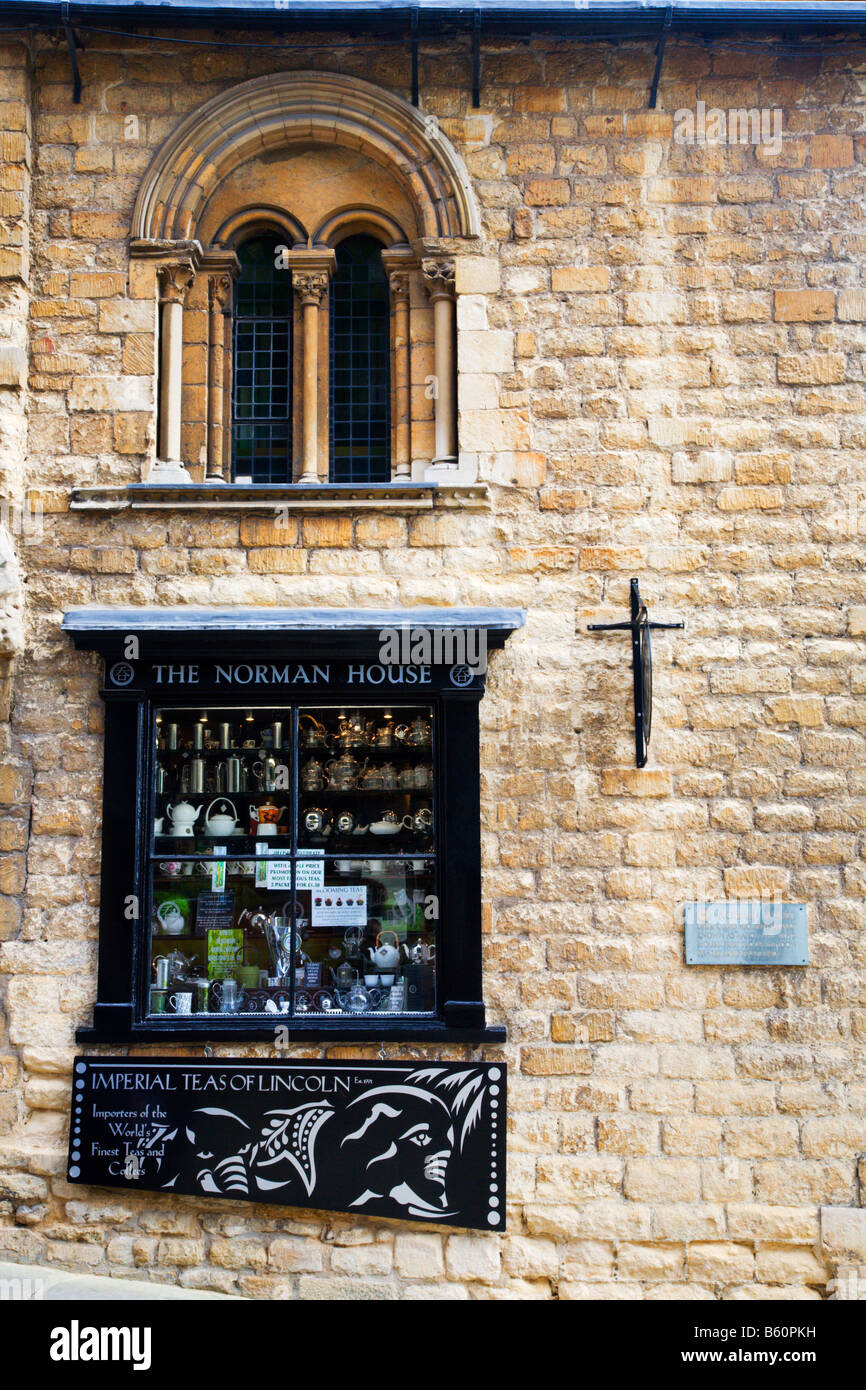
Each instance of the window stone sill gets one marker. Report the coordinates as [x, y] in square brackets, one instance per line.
[267, 497]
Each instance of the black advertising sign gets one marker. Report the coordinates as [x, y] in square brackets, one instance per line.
[421, 1142]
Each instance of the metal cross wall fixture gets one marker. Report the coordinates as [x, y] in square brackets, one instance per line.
[642, 668]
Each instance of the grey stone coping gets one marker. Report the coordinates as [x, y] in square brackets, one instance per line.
[269, 497]
[38, 1283]
[284, 620]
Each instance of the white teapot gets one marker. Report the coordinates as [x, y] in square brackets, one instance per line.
[183, 817]
[385, 957]
[171, 919]
[222, 823]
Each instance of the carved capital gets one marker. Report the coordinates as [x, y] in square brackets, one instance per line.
[175, 280]
[219, 292]
[438, 278]
[399, 283]
[310, 286]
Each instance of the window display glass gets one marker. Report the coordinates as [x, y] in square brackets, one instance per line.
[293, 861]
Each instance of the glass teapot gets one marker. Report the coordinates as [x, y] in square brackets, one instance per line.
[353, 730]
[416, 734]
[313, 775]
[343, 773]
[344, 976]
[372, 779]
[312, 734]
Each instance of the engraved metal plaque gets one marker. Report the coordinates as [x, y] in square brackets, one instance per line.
[741, 932]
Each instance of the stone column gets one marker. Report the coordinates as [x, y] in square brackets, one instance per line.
[228, 369]
[219, 289]
[175, 280]
[439, 284]
[310, 287]
[402, 467]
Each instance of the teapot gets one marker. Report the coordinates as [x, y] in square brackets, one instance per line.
[372, 779]
[344, 976]
[420, 953]
[313, 735]
[358, 999]
[388, 824]
[222, 823]
[346, 822]
[312, 775]
[385, 957]
[266, 817]
[353, 730]
[421, 821]
[178, 966]
[258, 921]
[183, 817]
[343, 773]
[170, 918]
[416, 734]
[317, 822]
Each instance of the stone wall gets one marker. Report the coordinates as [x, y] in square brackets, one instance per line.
[669, 346]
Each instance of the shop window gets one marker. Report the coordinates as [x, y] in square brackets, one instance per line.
[294, 861]
[291, 827]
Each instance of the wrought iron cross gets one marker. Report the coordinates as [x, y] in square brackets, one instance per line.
[641, 666]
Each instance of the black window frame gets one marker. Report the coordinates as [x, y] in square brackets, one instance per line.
[131, 696]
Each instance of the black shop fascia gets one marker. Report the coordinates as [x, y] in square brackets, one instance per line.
[291, 823]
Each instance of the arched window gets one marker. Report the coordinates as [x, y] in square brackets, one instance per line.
[359, 423]
[262, 371]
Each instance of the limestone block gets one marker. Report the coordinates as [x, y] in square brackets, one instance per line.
[476, 275]
[13, 365]
[473, 1257]
[526, 1257]
[418, 1256]
[843, 1234]
[720, 1262]
[803, 306]
[112, 393]
[485, 350]
[362, 1260]
[851, 306]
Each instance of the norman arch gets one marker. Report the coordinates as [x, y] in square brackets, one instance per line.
[317, 158]
[291, 108]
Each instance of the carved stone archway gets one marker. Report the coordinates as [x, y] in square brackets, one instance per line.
[193, 205]
[287, 108]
